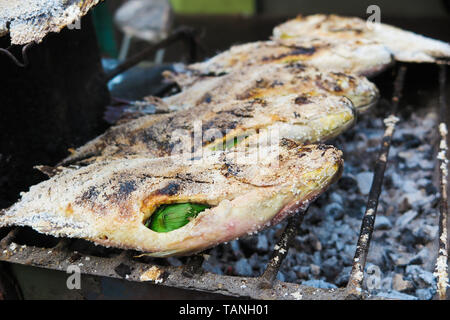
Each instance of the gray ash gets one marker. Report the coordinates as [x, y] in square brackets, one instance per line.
[404, 244]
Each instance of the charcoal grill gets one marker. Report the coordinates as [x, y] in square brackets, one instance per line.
[22, 246]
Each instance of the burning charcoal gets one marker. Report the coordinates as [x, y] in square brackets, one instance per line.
[257, 263]
[243, 268]
[335, 210]
[404, 205]
[392, 294]
[357, 208]
[258, 243]
[339, 245]
[329, 253]
[426, 164]
[308, 244]
[343, 277]
[344, 233]
[430, 189]
[175, 262]
[417, 199]
[123, 270]
[347, 255]
[378, 256]
[315, 269]
[280, 276]
[236, 248]
[405, 219]
[336, 198]
[400, 259]
[409, 186]
[302, 272]
[331, 268]
[382, 223]
[399, 284]
[411, 141]
[407, 238]
[315, 216]
[347, 183]
[291, 276]
[364, 180]
[319, 284]
[262, 244]
[425, 294]
[421, 277]
[421, 257]
[425, 233]
[303, 259]
[208, 267]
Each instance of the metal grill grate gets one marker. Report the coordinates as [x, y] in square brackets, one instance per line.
[192, 277]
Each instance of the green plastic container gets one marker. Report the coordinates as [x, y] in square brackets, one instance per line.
[245, 7]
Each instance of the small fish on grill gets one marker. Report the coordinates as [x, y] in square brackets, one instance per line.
[302, 117]
[271, 80]
[406, 46]
[176, 206]
[363, 58]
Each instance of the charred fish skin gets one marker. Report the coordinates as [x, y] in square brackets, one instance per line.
[271, 80]
[304, 118]
[364, 58]
[406, 46]
[109, 202]
[31, 20]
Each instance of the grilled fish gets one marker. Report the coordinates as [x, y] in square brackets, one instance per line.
[305, 118]
[406, 46]
[31, 20]
[353, 57]
[109, 203]
[271, 80]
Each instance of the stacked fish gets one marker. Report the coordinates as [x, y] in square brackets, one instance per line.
[241, 149]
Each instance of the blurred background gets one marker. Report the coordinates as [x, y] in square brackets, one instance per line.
[126, 27]
[224, 22]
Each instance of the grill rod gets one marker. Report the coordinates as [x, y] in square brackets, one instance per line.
[354, 286]
[441, 271]
[60, 258]
[183, 33]
[11, 56]
[281, 249]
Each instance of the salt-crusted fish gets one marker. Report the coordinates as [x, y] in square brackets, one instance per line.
[31, 20]
[406, 46]
[304, 118]
[272, 80]
[353, 57]
[113, 203]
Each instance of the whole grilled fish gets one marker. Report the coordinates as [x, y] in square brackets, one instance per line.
[110, 203]
[271, 80]
[353, 57]
[31, 20]
[302, 117]
[406, 46]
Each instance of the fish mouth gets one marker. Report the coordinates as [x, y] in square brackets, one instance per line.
[334, 124]
[362, 104]
[378, 69]
[295, 207]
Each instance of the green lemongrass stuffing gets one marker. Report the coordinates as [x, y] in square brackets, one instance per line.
[174, 216]
[228, 143]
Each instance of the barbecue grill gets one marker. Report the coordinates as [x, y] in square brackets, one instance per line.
[152, 278]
